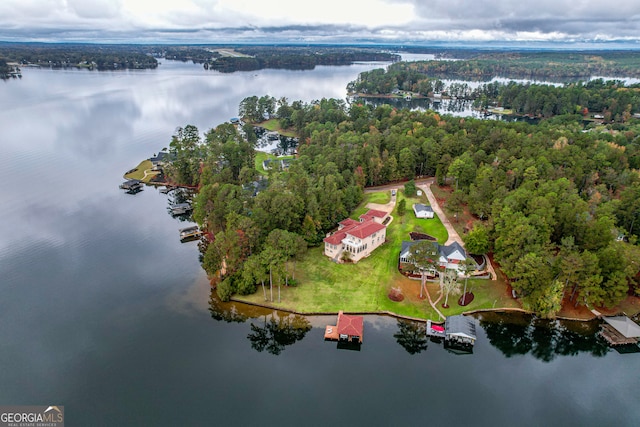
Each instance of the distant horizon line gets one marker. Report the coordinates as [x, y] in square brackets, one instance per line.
[457, 44]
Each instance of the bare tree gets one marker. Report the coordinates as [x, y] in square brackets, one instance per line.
[450, 285]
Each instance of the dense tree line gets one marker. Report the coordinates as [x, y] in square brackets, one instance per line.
[553, 199]
[101, 57]
[612, 98]
[532, 65]
[5, 69]
[195, 54]
[296, 57]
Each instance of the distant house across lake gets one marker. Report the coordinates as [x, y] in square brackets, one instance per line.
[283, 164]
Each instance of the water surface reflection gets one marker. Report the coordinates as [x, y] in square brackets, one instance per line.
[516, 334]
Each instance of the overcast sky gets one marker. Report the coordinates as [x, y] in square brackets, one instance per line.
[319, 21]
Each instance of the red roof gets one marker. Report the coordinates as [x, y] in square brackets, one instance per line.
[348, 222]
[335, 238]
[356, 229]
[366, 229]
[372, 213]
[376, 213]
[350, 325]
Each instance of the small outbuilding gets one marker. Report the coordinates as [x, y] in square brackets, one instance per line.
[423, 211]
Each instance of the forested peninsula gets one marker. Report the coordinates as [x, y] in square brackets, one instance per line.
[221, 58]
[556, 205]
[547, 65]
[295, 58]
[6, 70]
[90, 56]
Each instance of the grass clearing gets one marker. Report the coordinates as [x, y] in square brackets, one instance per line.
[327, 287]
[381, 198]
[142, 172]
[274, 125]
[408, 222]
[261, 156]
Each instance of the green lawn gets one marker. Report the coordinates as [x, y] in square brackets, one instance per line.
[432, 226]
[327, 287]
[139, 172]
[261, 156]
[382, 197]
[274, 125]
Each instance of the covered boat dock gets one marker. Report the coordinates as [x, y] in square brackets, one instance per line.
[348, 329]
[190, 233]
[620, 330]
[457, 330]
[132, 186]
[181, 209]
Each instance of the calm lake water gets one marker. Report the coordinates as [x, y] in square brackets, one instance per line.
[102, 310]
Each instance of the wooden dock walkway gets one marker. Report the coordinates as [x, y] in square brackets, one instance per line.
[614, 337]
[331, 333]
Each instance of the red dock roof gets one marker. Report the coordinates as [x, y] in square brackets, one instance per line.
[350, 325]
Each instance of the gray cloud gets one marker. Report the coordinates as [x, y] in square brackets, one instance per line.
[574, 18]
[210, 21]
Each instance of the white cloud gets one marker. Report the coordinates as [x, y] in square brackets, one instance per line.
[320, 20]
[95, 9]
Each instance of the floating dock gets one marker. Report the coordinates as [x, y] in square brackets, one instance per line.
[181, 209]
[190, 233]
[435, 330]
[132, 186]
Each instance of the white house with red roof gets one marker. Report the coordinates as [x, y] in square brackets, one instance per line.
[358, 238]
